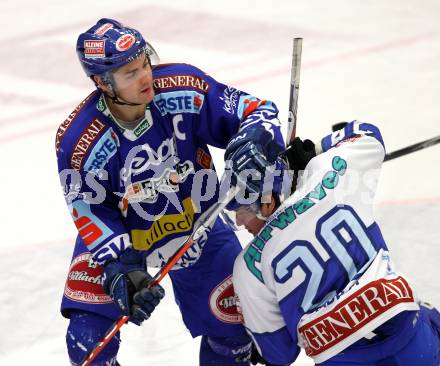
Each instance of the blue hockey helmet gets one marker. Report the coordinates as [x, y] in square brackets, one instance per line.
[109, 45]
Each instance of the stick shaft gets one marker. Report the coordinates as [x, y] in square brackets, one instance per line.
[412, 148]
[103, 342]
[294, 89]
[202, 225]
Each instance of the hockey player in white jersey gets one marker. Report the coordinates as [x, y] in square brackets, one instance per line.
[318, 274]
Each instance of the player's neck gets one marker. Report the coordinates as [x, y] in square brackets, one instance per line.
[127, 114]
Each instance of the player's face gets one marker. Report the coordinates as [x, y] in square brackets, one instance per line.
[248, 218]
[253, 217]
[134, 81]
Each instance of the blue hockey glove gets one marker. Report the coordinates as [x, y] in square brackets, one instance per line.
[126, 281]
[251, 150]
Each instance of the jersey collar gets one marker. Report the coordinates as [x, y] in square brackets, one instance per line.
[131, 134]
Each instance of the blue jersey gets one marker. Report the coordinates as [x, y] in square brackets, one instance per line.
[319, 275]
[145, 187]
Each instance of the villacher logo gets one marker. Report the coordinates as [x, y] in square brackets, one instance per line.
[222, 302]
[84, 282]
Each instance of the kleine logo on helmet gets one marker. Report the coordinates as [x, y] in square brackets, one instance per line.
[94, 49]
[124, 42]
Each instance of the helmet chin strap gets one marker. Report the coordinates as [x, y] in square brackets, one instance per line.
[277, 200]
[117, 100]
[260, 216]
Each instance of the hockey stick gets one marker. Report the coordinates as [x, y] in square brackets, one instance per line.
[203, 223]
[403, 151]
[294, 89]
[293, 101]
[412, 148]
[103, 342]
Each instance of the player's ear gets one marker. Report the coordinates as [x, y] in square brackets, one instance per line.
[100, 84]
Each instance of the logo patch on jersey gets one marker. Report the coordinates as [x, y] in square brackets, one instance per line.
[102, 152]
[181, 81]
[185, 101]
[203, 159]
[88, 136]
[222, 302]
[148, 158]
[354, 314]
[66, 124]
[72, 192]
[91, 229]
[148, 191]
[94, 48]
[138, 131]
[125, 42]
[101, 106]
[112, 248]
[166, 225]
[103, 29]
[84, 281]
[248, 104]
[142, 127]
[230, 99]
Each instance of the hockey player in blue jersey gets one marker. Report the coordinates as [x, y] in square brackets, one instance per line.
[318, 274]
[134, 162]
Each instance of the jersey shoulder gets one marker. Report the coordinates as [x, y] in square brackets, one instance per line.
[178, 76]
[80, 130]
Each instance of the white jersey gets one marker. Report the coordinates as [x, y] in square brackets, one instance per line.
[318, 275]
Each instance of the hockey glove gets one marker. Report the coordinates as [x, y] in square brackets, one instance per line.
[251, 152]
[299, 153]
[126, 281]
